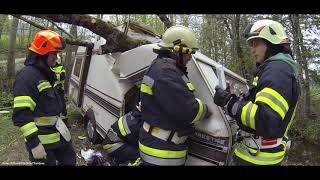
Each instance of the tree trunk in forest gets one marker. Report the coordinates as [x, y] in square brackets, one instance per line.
[12, 46]
[302, 71]
[166, 21]
[3, 19]
[70, 50]
[185, 20]
[238, 49]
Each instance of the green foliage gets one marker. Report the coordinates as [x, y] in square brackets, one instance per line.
[6, 99]
[311, 131]
[73, 114]
[8, 132]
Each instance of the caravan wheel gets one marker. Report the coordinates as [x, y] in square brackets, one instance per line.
[92, 134]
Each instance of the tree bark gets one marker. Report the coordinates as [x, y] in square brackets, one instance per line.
[116, 40]
[68, 40]
[3, 19]
[70, 51]
[244, 71]
[12, 46]
[303, 105]
[166, 21]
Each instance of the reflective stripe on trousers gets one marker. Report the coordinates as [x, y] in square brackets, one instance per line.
[162, 157]
[112, 147]
[262, 158]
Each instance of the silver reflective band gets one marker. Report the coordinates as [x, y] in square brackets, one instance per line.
[45, 139]
[274, 100]
[250, 143]
[125, 124]
[164, 134]
[148, 81]
[113, 135]
[46, 120]
[248, 115]
[259, 158]
[28, 129]
[162, 161]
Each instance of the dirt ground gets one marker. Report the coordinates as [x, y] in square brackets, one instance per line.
[12, 146]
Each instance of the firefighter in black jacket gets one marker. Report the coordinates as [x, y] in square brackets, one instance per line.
[60, 72]
[169, 108]
[121, 141]
[37, 105]
[265, 114]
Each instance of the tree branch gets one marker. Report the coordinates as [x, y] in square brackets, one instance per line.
[69, 41]
[72, 37]
[116, 40]
[165, 20]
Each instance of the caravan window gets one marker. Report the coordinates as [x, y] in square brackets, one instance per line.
[77, 67]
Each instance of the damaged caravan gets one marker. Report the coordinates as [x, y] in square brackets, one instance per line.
[104, 87]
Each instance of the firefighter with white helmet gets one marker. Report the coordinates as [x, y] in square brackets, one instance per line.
[265, 114]
[169, 107]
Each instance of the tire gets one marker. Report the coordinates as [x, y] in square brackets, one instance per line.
[92, 133]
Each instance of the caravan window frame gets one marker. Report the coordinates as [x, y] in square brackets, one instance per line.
[77, 71]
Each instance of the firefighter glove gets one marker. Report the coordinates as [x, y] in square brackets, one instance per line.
[208, 113]
[221, 97]
[39, 152]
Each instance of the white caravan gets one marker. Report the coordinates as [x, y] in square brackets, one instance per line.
[103, 87]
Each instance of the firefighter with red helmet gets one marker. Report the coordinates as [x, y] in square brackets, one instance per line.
[37, 105]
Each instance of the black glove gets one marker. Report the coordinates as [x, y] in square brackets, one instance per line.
[221, 97]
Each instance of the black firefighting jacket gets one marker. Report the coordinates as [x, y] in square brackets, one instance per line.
[35, 96]
[167, 97]
[269, 108]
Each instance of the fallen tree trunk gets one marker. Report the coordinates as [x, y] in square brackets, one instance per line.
[68, 40]
[116, 41]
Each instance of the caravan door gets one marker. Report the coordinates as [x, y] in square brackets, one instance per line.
[212, 142]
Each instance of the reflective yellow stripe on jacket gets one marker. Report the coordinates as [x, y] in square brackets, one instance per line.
[274, 100]
[146, 85]
[24, 101]
[28, 129]
[123, 126]
[200, 112]
[262, 158]
[188, 83]
[248, 115]
[44, 85]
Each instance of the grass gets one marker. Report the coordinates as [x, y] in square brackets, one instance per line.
[12, 149]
